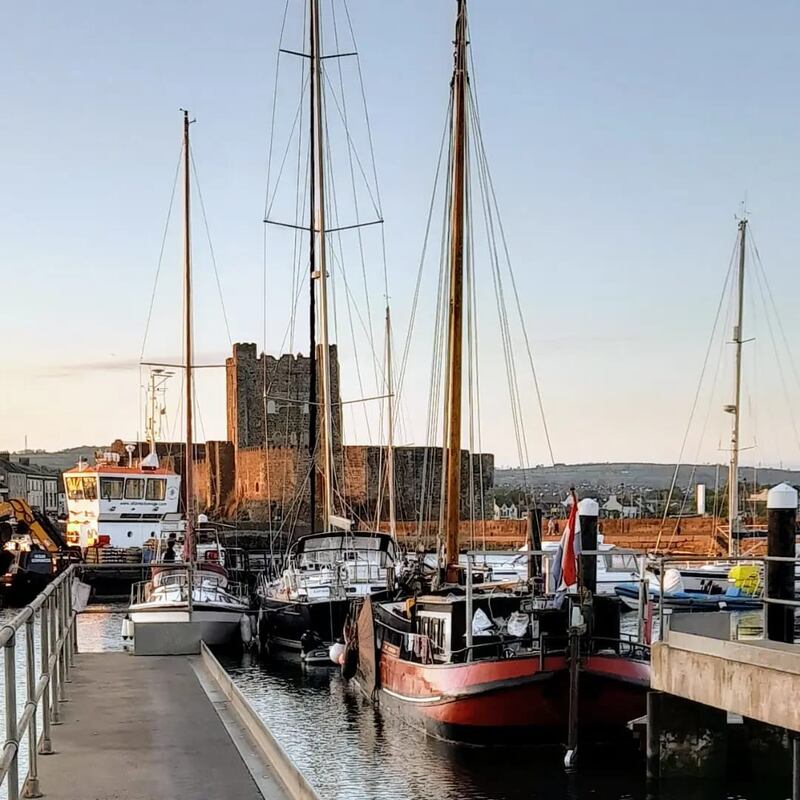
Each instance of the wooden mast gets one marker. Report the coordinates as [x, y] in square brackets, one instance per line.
[733, 475]
[452, 454]
[319, 266]
[188, 461]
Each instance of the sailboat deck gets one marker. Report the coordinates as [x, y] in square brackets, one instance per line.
[145, 728]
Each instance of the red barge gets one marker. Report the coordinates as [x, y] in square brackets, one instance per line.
[503, 688]
[493, 662]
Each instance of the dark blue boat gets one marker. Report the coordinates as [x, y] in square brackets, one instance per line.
[734, 599]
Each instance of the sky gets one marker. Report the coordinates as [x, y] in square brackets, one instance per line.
[623, 138]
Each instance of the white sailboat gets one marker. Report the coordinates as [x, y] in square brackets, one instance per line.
[714, 579]
[304, 609]
[187, 601]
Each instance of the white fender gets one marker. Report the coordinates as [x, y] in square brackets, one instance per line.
[244, 628]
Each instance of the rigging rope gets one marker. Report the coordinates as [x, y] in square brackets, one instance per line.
[211, 248]
[696, 396]
[161, 254]
[512, 275]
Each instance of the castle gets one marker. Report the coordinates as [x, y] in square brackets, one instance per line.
[261, 471]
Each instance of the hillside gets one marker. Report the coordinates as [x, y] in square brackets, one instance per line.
[641, 475]
[609, 476]
[59, 459]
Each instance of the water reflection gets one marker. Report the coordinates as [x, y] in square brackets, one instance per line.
[100, 629]
[349, 749]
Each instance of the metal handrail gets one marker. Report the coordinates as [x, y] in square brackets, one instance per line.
[762, 561]
[58, 644]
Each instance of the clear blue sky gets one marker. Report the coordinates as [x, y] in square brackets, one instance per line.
[622, 136]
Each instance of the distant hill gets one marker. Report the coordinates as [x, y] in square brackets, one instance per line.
[610, 476]
[641, 475]
[59, 459]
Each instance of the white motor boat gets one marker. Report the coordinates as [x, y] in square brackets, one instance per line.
[614, 566]
[216, 607]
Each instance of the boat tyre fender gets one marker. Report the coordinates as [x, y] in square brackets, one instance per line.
[263, 636]
[350, 663]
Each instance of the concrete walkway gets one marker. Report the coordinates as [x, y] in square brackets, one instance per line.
[144, 728]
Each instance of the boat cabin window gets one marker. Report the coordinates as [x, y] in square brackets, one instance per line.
[621, 562]
[328, 550]
[156, 488]
[75, 488]
[111, 488]
[134, 488]
[435, 628]
[82, 488]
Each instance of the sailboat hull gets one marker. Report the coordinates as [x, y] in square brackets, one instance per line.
[172, 631]
[519, 700]
[302, 627]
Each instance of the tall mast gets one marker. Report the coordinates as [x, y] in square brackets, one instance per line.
[452, 455]
[733, 474]
[318, 260]
[390, 432]
[187, 330]
[312, 303]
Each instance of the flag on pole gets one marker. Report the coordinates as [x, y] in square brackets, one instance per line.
[565, 564]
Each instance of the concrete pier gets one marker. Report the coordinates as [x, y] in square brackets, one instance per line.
[147, 728]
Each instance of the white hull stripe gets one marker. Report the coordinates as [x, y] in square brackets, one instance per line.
[437, 698]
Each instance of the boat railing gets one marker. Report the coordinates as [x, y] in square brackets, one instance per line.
[44, 683]
[144, 591]
[621, 646]
[759, 589]
[541, 644]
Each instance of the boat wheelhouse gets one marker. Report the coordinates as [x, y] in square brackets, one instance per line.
[120, 506]
[338, 565]
[306, 608]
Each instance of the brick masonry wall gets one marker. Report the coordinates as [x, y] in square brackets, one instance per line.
[235, 481]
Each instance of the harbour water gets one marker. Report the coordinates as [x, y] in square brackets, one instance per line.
[349, 749]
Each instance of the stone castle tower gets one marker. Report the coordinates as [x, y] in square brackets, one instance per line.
[267, 399]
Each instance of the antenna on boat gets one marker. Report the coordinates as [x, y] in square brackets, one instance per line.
[733, 475]
[188, 542]
[155, 410]
[451, 455]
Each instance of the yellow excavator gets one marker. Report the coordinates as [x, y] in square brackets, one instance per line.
[32, 552]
